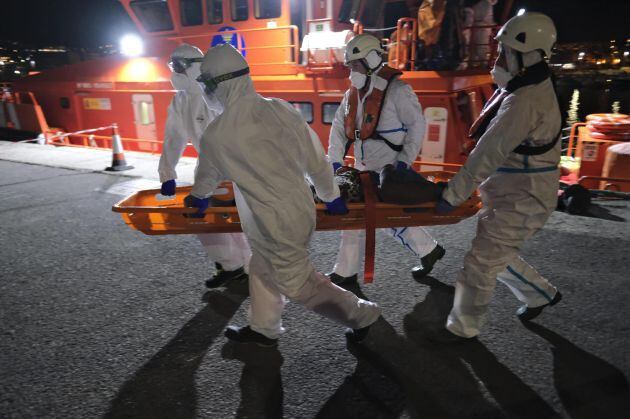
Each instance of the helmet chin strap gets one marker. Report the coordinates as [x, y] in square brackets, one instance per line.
[373, 60]
[522, 60]
[370, 69]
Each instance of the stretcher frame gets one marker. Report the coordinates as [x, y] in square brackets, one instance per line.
[143, 211]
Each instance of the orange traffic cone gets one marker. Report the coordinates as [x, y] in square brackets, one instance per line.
[118, 162]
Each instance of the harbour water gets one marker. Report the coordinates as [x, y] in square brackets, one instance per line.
[583, 95]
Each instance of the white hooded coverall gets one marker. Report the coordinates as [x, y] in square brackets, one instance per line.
[188, 116]
[266, 148]
[401, 122]
[519, 194]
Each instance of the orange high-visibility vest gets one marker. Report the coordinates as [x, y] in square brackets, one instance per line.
[371, 110]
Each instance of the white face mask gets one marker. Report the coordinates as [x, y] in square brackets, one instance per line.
[357, 79]
[179, 81]
[210, 98]
[501, 76]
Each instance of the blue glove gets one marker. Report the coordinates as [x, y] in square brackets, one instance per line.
[443, 206]
[336, 166]
[401, 165]
[194, 202]
[168, 188]
[337, 207]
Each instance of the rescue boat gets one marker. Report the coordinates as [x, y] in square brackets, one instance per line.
[295, 51]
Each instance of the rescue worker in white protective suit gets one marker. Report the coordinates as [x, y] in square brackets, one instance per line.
[516, 161]
[188, 116]
[381, 115]
[266, 148]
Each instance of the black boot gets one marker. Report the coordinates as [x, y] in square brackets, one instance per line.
[222, 276]
[357, 335]
[342, 280]
[246, 335]
[525, 313]
[427, 262]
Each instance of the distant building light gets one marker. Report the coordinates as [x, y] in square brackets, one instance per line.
[616, 61]
[581, 54]
[520, 12]
[51, 50]
[17, 72]
[626, 53]
[568, 66]
[131, 45]
[1, 62]
[32, 63]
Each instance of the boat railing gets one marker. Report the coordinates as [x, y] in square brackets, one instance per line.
[402, 45]
[572, 145]
[88, 138]
[263, 45]
[21, 111]
[480, 46]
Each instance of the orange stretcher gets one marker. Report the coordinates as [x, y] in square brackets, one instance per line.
[145, 212]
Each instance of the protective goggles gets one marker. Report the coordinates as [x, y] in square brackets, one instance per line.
[210, 83]
[179, 65]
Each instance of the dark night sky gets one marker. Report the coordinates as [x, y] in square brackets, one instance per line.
[95, 22]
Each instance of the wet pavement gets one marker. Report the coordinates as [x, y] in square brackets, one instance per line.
[97, 320]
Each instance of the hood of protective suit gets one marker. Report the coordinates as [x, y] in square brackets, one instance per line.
[506, 68]
[183, 83]
[187, 81]
[223, 60]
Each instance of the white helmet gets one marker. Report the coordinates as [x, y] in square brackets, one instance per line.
[529, 32]
[360, 47]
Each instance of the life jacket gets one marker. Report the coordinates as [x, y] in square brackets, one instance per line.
[532, 75]
[371, 111]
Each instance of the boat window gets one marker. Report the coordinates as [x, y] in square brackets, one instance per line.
[240, 10]
[215, 11]
[64, 102]
[190, 11]
[306, 109]
[328, 112]
[153, 14]
[144, 113]
[349, 11]
[267, 9]
[371, 11]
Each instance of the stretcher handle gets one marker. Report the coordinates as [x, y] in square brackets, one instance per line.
[133, 204]
[370, 199]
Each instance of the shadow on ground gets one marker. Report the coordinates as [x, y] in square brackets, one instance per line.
[397, 374]
[164, 387]
[261, 381]
[588, 386]
[603, 213]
